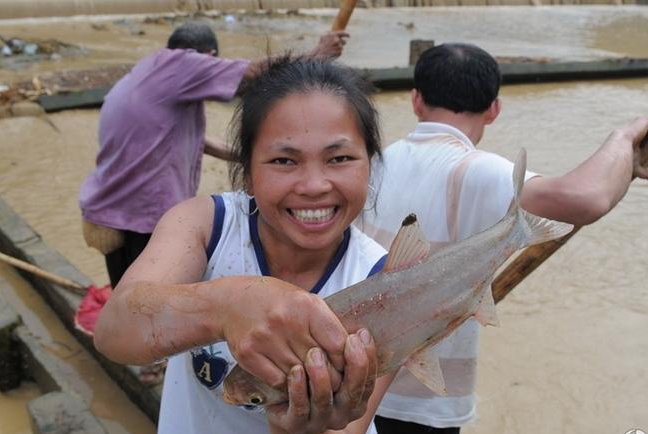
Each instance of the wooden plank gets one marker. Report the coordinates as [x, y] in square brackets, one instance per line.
[81, 99]
[527, 72]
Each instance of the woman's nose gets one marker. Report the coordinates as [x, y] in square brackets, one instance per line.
[314, 181]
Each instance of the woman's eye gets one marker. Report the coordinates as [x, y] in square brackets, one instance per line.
[341, 159]
[282, 161]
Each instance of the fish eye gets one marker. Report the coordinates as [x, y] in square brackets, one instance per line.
[256, 399]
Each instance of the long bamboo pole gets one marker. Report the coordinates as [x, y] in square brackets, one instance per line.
[76, 287]
[532, 257]
[343, 15]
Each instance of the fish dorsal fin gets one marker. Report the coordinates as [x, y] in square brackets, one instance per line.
[424, 365]
[409, 247]
[486, 313]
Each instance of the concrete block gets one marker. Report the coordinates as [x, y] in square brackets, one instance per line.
[62, 413]
[18, 239]
[13, 227]
[10, 361]
[40, 366]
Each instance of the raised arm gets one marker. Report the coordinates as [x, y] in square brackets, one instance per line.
[594, 187]
[160, 307]
[330, 46]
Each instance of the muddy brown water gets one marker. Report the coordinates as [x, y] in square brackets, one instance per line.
[571, 354]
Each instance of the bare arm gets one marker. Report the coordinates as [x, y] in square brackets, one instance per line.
[161, 308]
[218, 149]
[593, 188]
[330, 46]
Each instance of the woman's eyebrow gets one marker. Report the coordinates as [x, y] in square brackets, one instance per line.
[291, 150]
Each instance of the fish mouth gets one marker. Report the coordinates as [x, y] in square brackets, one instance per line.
[228, 399]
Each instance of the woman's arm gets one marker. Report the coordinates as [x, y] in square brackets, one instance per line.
[160, 307]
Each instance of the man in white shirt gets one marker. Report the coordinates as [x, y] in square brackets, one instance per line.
[457, 191]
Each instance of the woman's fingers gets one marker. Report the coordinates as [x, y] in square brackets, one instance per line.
[372, 372]
[293, 416]
[355, 374]
[314, 405]
[329, 333]
[263, 368]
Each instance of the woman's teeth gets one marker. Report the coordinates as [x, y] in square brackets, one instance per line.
[313, 215]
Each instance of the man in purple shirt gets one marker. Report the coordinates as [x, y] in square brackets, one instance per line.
[152, 137]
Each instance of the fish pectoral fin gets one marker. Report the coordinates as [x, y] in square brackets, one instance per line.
[486, 313]
[409, 247]
[424, 365]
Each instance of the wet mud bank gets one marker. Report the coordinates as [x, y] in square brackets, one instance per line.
[23, 356]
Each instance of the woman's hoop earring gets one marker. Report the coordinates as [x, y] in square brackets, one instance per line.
[249, 198]
[371, 197]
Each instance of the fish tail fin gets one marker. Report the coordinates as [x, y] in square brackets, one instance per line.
[536, 229]
[539, 229]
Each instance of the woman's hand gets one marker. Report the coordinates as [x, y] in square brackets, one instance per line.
[326, 408]
[270, 325]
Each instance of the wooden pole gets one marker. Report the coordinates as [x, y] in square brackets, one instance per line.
[532, 257]
[76, 287]
[343, 15]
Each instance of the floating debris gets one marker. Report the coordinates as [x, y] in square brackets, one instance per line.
[17, 53]
[66, 82]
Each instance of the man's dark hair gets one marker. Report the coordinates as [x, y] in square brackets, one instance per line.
[285, 76]
[196, 35]
[457, 77]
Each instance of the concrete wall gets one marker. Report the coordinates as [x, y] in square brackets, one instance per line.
[48, 8]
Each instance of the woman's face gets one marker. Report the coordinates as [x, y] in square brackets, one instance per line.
[309, 171]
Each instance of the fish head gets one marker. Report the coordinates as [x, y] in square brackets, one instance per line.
[242, 388]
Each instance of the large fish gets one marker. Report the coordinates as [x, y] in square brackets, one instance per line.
[420, 297]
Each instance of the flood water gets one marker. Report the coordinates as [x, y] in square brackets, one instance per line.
[571, 354]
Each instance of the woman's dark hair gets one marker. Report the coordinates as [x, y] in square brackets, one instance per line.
[196, 35]
[288, 75]
[457, 77]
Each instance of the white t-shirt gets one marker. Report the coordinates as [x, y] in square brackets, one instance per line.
[456, 191]
[192, 396]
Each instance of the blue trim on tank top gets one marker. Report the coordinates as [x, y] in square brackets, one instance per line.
[263, 265]
[217, 226]
[378, 266]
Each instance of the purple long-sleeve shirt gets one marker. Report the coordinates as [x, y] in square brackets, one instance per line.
[151, 135]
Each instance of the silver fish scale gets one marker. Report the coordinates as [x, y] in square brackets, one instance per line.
[413, 308]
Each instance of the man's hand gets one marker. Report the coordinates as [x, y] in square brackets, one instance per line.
[331, 44]
[640, 160]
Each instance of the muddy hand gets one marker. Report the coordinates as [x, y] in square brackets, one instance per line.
[271, 326]
[325, 408]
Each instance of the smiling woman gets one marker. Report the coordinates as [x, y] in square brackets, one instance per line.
[304, 135]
